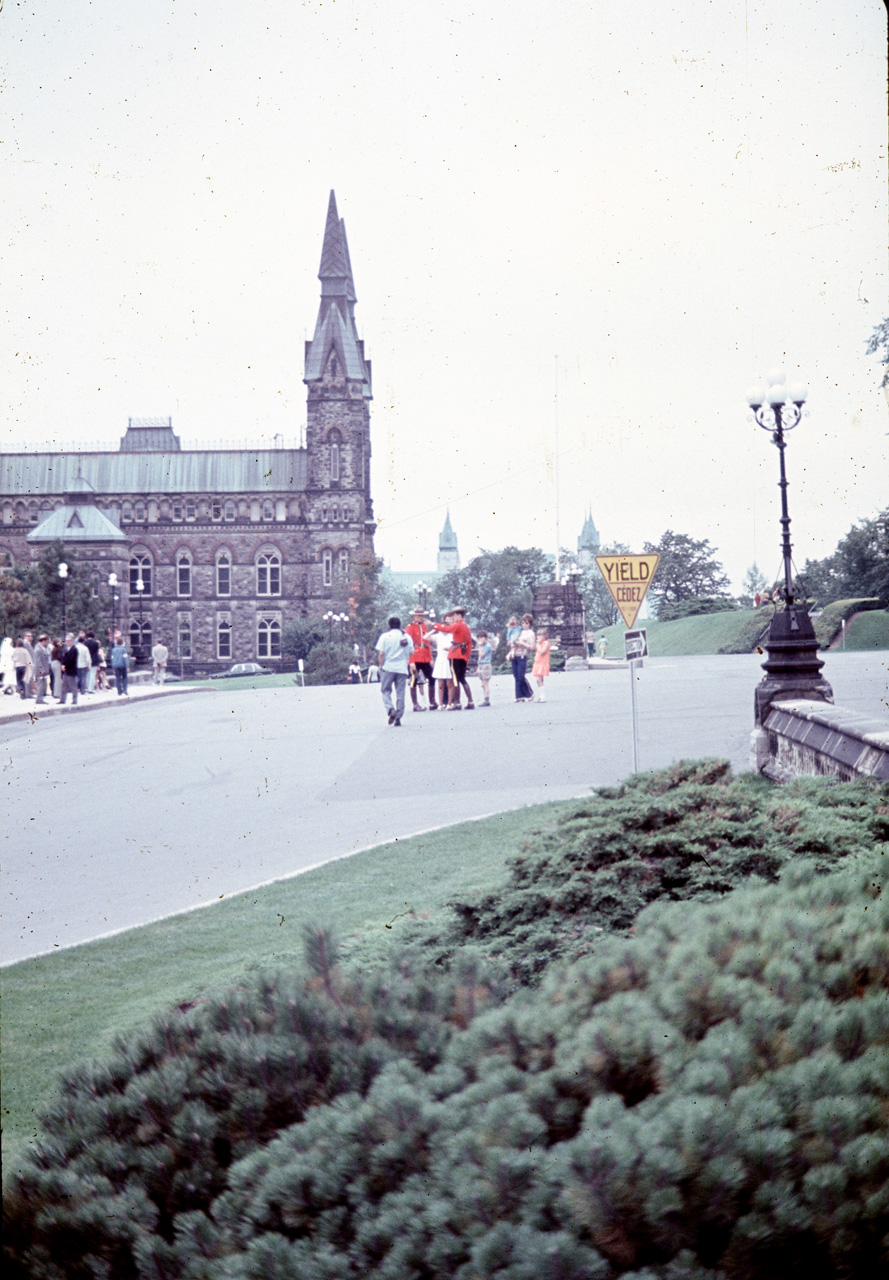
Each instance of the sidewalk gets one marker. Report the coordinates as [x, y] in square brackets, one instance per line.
[14, 709]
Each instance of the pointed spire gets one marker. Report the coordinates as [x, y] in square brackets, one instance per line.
[335, 328]
[447, 539]
[335, 267]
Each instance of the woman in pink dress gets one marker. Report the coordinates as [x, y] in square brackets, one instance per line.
[540, 670]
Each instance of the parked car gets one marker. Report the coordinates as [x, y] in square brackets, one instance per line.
[243, 669]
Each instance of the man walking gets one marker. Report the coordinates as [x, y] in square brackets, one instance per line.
[159, 655]
[393, 648]
[42, 667]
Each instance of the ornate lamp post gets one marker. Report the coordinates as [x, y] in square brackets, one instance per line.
[112, 583]
[328, 617]
[422, 591]
[794, 668]
[342, 619]
[140, 590]
[63, 574]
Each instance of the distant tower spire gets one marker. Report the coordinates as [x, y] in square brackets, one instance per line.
[448, 553]
[588, 543]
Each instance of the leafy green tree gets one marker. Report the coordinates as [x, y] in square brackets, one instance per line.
[754, 580]
[19, 611]
[328, 663]
[41, 581]
[858, 568]
[495, 585]
[687, 569]
[298, 638]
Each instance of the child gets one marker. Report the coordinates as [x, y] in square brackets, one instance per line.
[541, 662]
[485, 663]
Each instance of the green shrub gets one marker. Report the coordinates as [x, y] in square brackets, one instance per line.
[694, 608]
[690, 831]
[327, 664]
[706, 1099]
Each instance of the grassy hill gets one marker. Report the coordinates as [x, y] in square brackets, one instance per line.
[739, 631]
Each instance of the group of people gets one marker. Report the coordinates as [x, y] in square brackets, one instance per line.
[430, 659]
[74, 667]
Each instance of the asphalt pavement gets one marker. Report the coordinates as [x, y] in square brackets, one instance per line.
[162, 804]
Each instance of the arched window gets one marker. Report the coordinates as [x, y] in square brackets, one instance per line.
[223, 636]
[140, 568]
[183, 573]
[334, 461]
[342, 566]
[140, 513]
[229, 510]
[223, 573]
[335, 514]
[327, 567]
[191, 510]
[268, 509]
[177, 510]
[140, 637]
[268, 637]
[183, 634]
[126, 511]
[268, 574]
[33, 513]
[324, 515]
[216, 509]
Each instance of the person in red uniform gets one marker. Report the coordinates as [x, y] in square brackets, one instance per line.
[458, 656]
[420, 661]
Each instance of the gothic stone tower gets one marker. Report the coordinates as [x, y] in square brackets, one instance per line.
[448, 554]
[337, 498]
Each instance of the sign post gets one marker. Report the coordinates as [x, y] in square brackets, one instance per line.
[628, 578]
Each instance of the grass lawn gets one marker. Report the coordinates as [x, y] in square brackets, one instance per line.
[276, 681]
[734, 631]
[869, 630]
[62, 1008]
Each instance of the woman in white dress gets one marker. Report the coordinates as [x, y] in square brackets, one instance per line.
[441, 668]
[7, 666]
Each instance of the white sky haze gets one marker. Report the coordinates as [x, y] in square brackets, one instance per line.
[578, 220]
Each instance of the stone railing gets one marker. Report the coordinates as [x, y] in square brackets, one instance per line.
[802, 737]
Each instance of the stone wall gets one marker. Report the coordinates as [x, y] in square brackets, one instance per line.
[807, 738]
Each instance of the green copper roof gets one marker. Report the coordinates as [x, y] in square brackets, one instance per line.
[76, 524]
[189, 471]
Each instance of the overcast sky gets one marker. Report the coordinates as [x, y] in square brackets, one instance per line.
[579, 231]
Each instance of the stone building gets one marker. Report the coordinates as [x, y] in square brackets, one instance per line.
[216, 550]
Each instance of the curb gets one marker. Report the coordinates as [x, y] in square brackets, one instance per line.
[20, 717]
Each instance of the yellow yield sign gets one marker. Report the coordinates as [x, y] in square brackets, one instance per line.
[627, 578]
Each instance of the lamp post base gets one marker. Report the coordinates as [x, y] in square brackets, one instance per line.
[794, 668]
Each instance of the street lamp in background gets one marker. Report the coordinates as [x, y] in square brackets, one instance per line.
[794, 668]
[63, 574]
[342, 619]
[328, 617]
[422, 591]
[112, 586]
[140, 591]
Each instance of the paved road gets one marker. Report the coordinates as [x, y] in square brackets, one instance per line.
[131, 813]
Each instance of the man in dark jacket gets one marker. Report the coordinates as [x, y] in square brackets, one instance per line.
[69, 670]
[93, 645]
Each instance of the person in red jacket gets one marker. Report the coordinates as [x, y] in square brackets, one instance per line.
[420, 660]
[458, 655]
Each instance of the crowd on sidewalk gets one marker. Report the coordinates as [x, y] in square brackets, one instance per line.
[431, 659]
[75, 667]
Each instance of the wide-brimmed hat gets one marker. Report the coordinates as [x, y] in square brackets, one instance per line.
[421, 612]
[456, 608]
